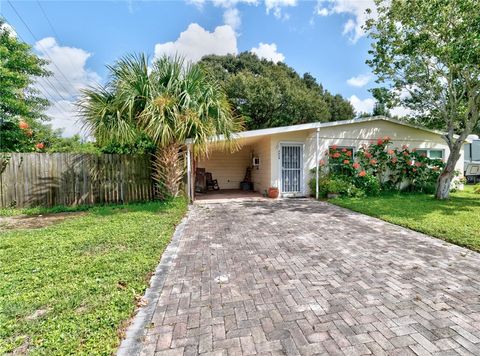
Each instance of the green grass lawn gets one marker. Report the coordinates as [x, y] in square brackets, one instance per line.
[70, 288]
[456, 220]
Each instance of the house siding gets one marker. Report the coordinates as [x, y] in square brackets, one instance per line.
[261, 174]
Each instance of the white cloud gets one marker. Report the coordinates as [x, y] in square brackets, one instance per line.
[321, 11]
[356, 9]
[196, 42]
[360, 80]
[268, 51]
[68, 65]
[197, 3]
[231, 17]
[232, 3]
[271, 6]
[276, 7]
[69, 75]
[362, 106]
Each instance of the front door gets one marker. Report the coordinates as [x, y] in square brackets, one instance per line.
[291, 169]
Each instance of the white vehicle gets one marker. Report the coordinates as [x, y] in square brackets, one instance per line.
[472, 160]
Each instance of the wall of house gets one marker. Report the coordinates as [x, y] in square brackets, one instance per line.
[261, 174]
[227, 167]
[354, 135]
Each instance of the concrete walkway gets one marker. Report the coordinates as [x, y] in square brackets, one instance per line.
[304, 277]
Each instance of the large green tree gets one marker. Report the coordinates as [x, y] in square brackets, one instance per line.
[168, 102]
[270, 95]
[427, 52]
[20, 102]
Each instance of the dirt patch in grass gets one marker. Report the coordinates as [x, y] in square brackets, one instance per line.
[35, 222]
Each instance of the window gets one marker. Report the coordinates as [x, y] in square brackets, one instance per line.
[432, 153]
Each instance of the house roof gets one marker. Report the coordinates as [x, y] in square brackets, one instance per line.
[315, 125]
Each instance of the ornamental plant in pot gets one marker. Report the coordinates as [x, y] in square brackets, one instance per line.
[333, 188]
[273, 192]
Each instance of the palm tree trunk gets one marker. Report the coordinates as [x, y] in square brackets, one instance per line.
[168, 170]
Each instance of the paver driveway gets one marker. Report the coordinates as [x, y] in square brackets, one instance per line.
[306, 277]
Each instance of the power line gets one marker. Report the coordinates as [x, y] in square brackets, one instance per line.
[38, 42]
[52, 28]
[48, 20]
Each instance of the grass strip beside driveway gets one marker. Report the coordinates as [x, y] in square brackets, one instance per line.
[456, 220]
[70, 288]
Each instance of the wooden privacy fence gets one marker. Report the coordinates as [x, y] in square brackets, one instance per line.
[49, 179]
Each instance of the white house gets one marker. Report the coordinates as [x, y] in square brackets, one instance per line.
[283, 157]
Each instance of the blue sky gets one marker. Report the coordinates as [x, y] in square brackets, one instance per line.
[80, 38]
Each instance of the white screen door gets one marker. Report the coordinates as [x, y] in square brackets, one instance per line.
[291, 168]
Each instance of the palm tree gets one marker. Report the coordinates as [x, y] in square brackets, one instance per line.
[170, 102]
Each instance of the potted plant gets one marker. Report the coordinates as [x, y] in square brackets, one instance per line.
[273, 192]
[333, 189]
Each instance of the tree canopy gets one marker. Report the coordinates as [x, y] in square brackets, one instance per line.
[427, 53]
[167, 103]
[271, 95]
[20, 103]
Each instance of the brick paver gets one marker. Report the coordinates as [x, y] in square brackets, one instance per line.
[301, 277]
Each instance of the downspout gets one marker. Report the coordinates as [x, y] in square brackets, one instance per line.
[189, 174]
[317, 157]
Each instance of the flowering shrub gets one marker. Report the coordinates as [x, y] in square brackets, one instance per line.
[377, 166]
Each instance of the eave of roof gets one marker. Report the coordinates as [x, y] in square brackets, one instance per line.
[315, 125]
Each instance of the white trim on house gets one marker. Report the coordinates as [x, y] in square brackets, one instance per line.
[315, 125]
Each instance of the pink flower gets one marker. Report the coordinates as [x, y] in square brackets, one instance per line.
[334, 147]
[373, 161]
[368, 154]
[23, 125]
[405, 153]
[394, 160]
[322, 162]
[405, 147]
[344, 150]
[356, 165]
[346, 161]
[349, 153]
[418, 164]
[380, 141]
[40, 146]
[336, 155]
[362, 174]
[391, 152]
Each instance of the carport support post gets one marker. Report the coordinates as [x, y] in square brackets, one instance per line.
[189, 174]
[317, 163]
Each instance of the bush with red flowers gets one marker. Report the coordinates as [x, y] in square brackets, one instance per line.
[377, 166]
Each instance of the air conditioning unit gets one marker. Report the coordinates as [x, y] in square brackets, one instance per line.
[255, 161]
